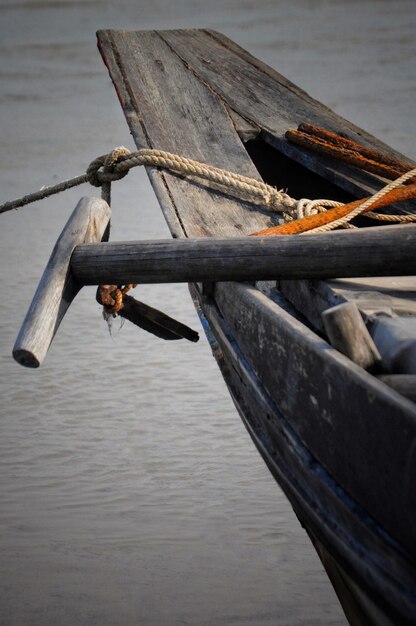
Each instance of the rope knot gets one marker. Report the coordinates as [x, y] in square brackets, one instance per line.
[111, 297]
[108, 167]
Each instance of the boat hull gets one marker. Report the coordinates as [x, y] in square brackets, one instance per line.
[368, 569]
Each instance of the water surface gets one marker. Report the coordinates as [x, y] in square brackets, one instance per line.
[130, 492]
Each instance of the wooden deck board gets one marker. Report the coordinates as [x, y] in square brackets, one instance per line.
[168, 108]
[270, 101]
[274, 104]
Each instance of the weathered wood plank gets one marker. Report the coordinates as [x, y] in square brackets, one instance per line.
[246, 130]
[348, 420]
[341, 253]
[270, 101]
[249, 87]
[348, 334]
[385, 302]
[389, 295]
[58, 286]
[325, 508]
[169, 108]
[405, 384]
[246, 86]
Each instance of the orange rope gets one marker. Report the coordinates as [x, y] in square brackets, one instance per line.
[111, 297]
[315, 221]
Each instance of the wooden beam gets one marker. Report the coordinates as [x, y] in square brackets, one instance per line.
[58, 287]
[374, 251]
[348, 334]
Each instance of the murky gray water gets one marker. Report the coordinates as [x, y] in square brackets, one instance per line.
[130, 492]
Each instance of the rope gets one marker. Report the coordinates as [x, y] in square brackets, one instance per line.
[107, 168]
[342, 221]
[243, 186]
[383, 217]
[111, 297]
[113, 166]
[44, 192]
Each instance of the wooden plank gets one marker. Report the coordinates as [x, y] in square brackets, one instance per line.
[396, 340]
[389, 295]
[274, 104]
[228, 70]
[249, 87]
[348, 420]
[381, 300]
[405, 384]
[270, 101]
[348, 334]
[320, 502]
[169, 108]
[58, 286]
[246, 130]
[341, 253]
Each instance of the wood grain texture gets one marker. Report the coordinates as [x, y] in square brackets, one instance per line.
[186, 118]
[58, 287]
[154, 321]
[327, 512]
[348, 334]
[348, 420]
[274, 104]
[177, 89]
[396, 341]
[322, 255]
[271, 102]
[387, 295]
[227, 80]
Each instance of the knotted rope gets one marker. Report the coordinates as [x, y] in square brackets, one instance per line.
[113, 166]
[107, 168]
[111, 297]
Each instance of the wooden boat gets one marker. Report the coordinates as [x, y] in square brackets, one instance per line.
[339, 440]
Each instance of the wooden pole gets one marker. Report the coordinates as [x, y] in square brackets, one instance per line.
[378, 251]
[58, 287]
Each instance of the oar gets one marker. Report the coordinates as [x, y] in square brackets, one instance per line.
[57, 288]
[376, 251]
[314, 221]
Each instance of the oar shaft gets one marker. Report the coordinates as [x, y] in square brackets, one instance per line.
[373, 251]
